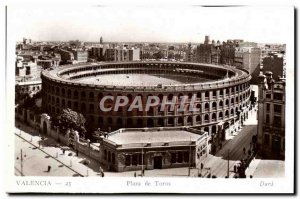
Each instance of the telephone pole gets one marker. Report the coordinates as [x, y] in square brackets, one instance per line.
[228, 163]
[21, 163]
[190, 154]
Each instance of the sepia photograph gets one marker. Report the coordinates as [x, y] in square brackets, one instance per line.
[150, 99]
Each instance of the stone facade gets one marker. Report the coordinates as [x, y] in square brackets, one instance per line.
[218, 101]
[271, 116]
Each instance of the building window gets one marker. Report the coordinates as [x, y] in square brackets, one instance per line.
[113, 158]
[277, 121]
[267, 119]
[221, 92]
[127, 160]
[105, 154]
[109, 156]
[277, 108]
[268, 107]
[140, 159]
[268, 96]
[266, 139]
[206, 94]
[214, 94]
[186, 156]
[134, 159]
[277, 96]
[173, 157]
[180, 157]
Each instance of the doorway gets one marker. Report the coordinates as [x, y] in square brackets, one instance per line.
[276, 144]
[157, 162]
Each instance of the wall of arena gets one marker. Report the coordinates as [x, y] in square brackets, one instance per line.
[218, 100]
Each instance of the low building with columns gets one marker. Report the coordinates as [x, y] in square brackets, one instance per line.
[153, 148]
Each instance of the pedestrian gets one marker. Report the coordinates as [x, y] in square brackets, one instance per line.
[234, 168]
[134, 174]
[49, 168]
[77, 152]
[100, 169]
[63, 151]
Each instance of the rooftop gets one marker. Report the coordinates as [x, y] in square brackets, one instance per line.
[163, 136]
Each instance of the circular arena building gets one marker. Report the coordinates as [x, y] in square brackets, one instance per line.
[220, 94]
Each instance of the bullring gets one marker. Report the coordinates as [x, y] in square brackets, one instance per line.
[221, 93]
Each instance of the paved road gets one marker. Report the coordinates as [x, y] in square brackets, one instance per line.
[35, 161]
[219, 162]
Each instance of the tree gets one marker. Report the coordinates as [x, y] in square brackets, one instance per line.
[70, 119]
[178, 56]
[158, 55]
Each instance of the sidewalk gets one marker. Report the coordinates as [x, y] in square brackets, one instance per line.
[49, 146]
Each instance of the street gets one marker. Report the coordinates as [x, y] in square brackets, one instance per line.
[36, 160]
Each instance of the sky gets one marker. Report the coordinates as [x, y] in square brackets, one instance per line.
[151, 23]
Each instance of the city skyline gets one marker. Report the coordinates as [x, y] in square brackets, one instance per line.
[163, 24]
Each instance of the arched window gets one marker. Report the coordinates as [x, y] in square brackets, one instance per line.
[198, 118]
[69, 93]
[160, 122]
[129, 97]
[206, 94]
[206, 106]
[171, 121]
[63, 92]
[206, 117]
[214, 105]
[129, 122]
[214, 94]
[221, 115]
[100, 96]
[91, 95]
[198, 106]
[150, 123]
[226, 113]
[213, 117]
[190, 120]
[83, 107]
[221, 104]
[221, 92]
[83, 94]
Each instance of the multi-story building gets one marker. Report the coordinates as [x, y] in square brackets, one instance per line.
[80, 56]
[251, 59]
[134, 54]
[189, 53]
[208, 52]
[247, 58]
[271, 62]
[110, 54]
[228, 52]
[97, 53]
[66, 56]
[271, 116]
